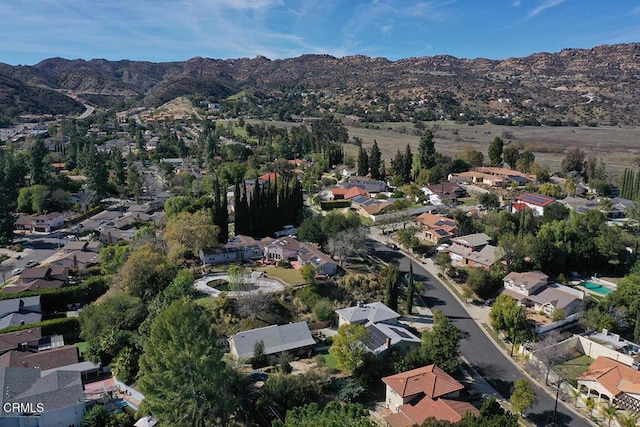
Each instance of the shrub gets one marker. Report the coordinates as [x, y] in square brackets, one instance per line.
[323, 310]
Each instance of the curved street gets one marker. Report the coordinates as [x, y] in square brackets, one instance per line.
[477, 348]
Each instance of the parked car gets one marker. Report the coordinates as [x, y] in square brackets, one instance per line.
[489, 302]
[17, 271]
[392, 246]
[31, 263]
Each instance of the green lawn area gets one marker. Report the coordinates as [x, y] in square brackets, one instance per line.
[331, 361]
[289, 275]
[570, 369]
[207, 302]
[82, 347]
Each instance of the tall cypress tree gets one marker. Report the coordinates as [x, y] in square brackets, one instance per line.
[375, 161]
[411, 287]
[407, 162]
[363, 162]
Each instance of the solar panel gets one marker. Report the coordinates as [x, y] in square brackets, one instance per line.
[377, 339]
[359, 199]
[303, 251]
[441, 232]
[401, 332]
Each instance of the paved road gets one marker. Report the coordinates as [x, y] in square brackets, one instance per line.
[477, 348]
[37, 247]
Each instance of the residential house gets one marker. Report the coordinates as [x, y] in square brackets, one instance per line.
[555, 296]
[416, 395]
[55, 398]
[382, 323]
[612, 381]
[445, 193]
[323, 263]
[45, 223]
[362, 314]
[436, 229]
[236, 249]
[79, 255]
[276, 339]
[282, 249]
[473, 250]
[20, 311]
[368, 207]
[579, 204]
[508, 175]
[535, 202]
[13, 340]
[35, 278]
[340, 193]
[619, 206]
[367, 184]
[521, 285]
[46, 359]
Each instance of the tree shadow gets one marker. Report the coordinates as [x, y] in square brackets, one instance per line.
[430, 301]
[545, 418]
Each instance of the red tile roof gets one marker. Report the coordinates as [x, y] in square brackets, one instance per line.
[440, 409]
[612, 375]
[355, 191]
[430, 380]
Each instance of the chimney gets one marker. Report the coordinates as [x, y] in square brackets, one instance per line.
[388, 343]
[605, 331]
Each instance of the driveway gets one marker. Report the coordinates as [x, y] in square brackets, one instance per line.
[478, 349]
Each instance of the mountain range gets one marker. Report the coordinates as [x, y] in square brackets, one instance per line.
[598, 85]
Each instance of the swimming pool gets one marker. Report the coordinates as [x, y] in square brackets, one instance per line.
[599, 289]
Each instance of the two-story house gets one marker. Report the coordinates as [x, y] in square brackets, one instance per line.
[536, 202]
[473, 250]
[436, 229]
[413, 396]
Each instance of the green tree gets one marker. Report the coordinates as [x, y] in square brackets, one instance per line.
[182, 364]
[146, 272]
[37, 164]
[349, 346]
[441, 344]
[608, 411]
[511, 155]
[489, 200]
[495, 151]
[407, 164]
[574, 161]
[323, 310]
[590, 404]
[99, 416]
[523, 396]
[335, 414]
[362, 162]
[135, 183]
[190, 232]
[390, 275]
[308, 273]
[427, 156]
[505, 314]
[627, 420]
[375, 162]
[411, 288]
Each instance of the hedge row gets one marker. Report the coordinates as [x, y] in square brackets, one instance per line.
[327, 205]
[53, 300]
[49, 327]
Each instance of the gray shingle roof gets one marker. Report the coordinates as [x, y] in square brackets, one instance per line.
[54, 391]
[368, 313]
[276, 338]
[473, 240]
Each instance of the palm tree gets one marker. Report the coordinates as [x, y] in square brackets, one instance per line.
[575, 393]
[627, 420]
[608, 411]
[591, 405]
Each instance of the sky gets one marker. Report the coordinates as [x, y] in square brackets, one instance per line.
[177, 30]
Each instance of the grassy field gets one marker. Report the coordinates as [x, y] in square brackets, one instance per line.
[619, 147]
[570, 369]
[289, 275]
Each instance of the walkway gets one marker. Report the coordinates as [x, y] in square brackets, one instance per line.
[263, 285]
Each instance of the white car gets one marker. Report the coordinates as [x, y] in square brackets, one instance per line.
[31, 263]
[17, 271]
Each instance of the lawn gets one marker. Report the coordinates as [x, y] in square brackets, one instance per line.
[571, 369]
[82, 347]
[288, 275]
[330, 360]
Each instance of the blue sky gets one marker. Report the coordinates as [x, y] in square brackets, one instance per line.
[176, 30]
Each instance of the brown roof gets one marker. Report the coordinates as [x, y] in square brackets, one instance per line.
[355, 191]
[11, 340]
[611, 374]
[48, 359]
[33, 285]
[430, 380]
[440, 409]
[399, 420]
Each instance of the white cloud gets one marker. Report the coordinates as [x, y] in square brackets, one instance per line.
[544, 5]
[386, 28]
[516, 3]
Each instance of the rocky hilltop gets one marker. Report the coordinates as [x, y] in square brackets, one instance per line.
[598, 85]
